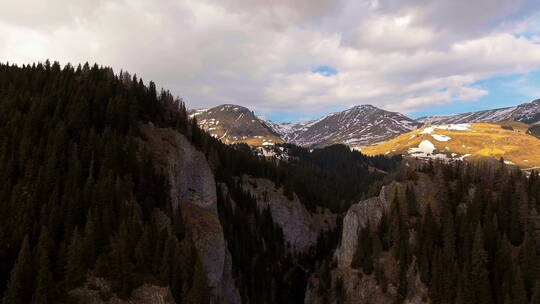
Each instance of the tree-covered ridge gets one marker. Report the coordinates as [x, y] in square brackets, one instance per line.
[478, 244]
[77, 194]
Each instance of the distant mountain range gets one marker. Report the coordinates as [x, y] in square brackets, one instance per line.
[360, 125]
[363, 125]
[528, 113]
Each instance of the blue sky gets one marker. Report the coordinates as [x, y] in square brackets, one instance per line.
[502, 92]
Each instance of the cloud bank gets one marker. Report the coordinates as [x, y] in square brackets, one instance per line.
[398, 55]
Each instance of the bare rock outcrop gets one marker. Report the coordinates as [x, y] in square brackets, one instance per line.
[298, 226]
[358, 216]
[193, 189]
[186, 168]
[98, 291]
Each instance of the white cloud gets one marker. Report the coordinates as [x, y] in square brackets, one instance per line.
[400, 55]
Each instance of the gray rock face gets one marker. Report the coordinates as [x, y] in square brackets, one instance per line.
[296, 222]
[358, 216]
[187, 170]
[210, 243]
[193, 189]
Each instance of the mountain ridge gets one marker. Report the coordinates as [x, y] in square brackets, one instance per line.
[359, 125]
[526, 112]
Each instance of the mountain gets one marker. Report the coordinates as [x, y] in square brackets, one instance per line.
[465, 142]
[360, 125]
[235, 124]
[527, 112]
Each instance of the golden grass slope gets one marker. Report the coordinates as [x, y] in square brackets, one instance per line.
[479, 140]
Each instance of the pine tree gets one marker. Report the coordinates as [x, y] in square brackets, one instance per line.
[363, 256]
[75, 271]
[45, 281]
[383, 231]
[519, 294]
[167, 261]
[143, 252]
[536, 293]
[412, 204]
[19, 288]
[198, 293]
[515, 233]
[479, 273]
[402, 281]
[91, 239]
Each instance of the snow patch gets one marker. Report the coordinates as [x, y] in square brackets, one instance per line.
[441, 137]
[463, 156]
[452, 127]
[424, 149]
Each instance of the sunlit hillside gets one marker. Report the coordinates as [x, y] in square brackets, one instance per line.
[467, 142]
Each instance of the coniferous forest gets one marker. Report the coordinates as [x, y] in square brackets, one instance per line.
[484, 251]
[78, 194]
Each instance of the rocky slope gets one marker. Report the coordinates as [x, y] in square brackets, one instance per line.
[464, 142]
[528, 113]
[235, 124]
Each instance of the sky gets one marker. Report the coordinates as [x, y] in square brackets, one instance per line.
[296, 60]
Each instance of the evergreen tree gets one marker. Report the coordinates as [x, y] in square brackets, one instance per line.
[479, 272]
[19, 288]
[519, 294]
[43, 293]
[536, 294]
[198, 293]
[45, 282]
[75, 273]
[363, 256]
[412, 204]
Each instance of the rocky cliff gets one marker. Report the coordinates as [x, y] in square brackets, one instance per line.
[299, 228]
[366, 212]
[193, 189]
[351, 284]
